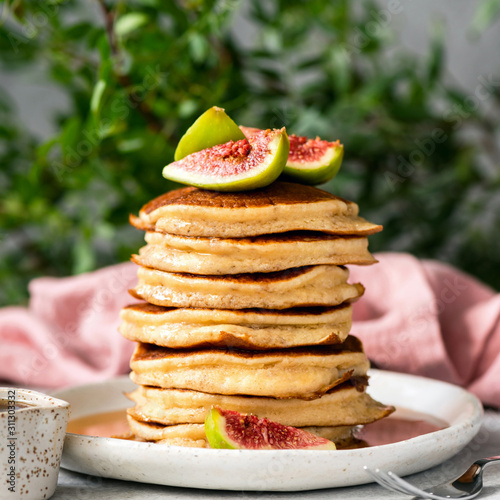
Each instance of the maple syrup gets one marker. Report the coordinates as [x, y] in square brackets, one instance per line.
[402, 425]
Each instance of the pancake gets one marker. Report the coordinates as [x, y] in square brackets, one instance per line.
[277, 208]
[240, 328]
[261, 254]
[299, 287]
[193, 435]
[303, 373]
[190, 435]
[346, 404]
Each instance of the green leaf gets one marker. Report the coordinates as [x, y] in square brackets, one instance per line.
[111, 128]
[486, 13]
[71, 132]
[129, 145]
[340, 69]
[130, 22]
[155, 4]
[187, 108]
[436, 56]
[106, 71]
[102, 43]
[97, 95]
[198, 47]
[78, 31]
[83, 255]
[43, 150]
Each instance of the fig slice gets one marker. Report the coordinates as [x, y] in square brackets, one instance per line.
[310, 161]
[211, 128]
[232, 430]
[235, 165]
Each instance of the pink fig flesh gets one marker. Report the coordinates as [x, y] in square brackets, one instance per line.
[230, 429]
[310, 161]
[235, 165]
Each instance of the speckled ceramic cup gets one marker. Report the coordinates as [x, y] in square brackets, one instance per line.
[32, 431]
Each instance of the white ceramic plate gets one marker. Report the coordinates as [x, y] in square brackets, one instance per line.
[270, 470]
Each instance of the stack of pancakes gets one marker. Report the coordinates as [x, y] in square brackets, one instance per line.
[248, 307]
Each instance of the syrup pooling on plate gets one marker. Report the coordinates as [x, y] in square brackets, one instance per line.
[321, 469]
[400, 426]
[404, 425]
[109, 424]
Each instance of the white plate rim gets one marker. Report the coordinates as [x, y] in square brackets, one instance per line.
[284, 470]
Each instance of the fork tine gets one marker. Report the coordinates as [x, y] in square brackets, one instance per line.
[425, 494]
[381, 478]
[409, 489]
[391, 484]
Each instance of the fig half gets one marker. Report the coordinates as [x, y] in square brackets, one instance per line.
[310, 161]
[235, 165]
[232, 430]
[211, 128]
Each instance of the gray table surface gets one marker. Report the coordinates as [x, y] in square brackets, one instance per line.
[487, 443]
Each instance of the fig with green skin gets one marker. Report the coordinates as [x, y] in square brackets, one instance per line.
[310, 161]
[235, 165]
[232, 430]
[211, 128]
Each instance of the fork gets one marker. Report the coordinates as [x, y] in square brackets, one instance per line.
[465, 487]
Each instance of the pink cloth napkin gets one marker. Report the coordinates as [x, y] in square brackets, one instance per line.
[420, 317]
[68, 335]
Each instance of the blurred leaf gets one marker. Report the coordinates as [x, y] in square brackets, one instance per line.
[102, 44]
[78, 31]
[340, 69]
[486, 14]
[83, 257]
[43, 150]
[97, 95]
[130, 22]
[436, 55]
[198, 47]
[187, 108]
[71, 132]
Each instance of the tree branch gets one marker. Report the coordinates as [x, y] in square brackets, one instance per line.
[152, 121]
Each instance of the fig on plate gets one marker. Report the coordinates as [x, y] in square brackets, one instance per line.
[235, 165]
[211, 128]
[310, 161]
[233, 430]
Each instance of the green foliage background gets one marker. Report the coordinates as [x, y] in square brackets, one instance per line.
[137, 74]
